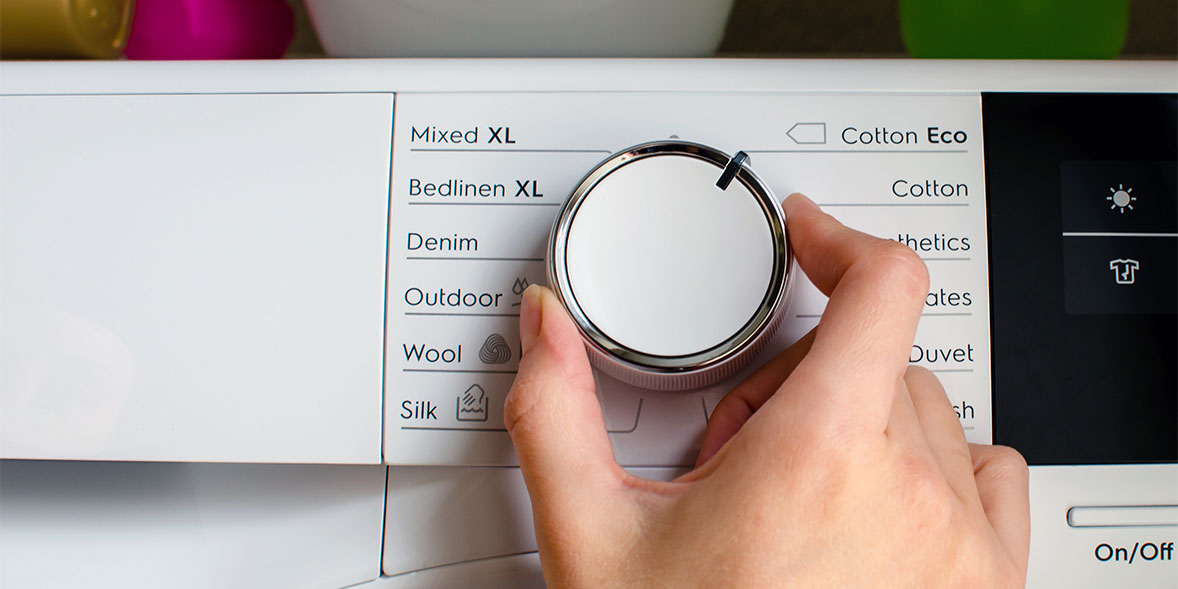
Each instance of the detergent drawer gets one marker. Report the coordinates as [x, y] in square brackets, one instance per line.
[193, 277]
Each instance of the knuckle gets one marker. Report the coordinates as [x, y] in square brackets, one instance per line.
[520, 405]
[1008, 463]
[931, 502]
[1000, 467]
[926, 494]
[901, 266]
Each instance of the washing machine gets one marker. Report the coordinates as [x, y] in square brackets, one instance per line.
[258, 319]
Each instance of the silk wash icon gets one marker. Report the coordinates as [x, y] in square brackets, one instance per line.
[1124, 269]
[472, 405]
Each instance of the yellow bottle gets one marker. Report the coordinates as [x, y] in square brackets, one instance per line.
[64, 28]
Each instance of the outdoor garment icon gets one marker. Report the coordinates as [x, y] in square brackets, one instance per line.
[495, 350]
[472, 404]
[517, 288]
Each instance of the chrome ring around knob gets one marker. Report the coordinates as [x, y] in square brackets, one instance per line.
[622, 254]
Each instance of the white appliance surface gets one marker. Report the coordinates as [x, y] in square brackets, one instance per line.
[193, 277]
[516, 571]
[108, 524]
[264, 263]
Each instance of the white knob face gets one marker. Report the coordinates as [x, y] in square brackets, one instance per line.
[675, 276]
[666, 263]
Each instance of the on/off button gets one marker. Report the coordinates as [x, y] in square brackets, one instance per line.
[1123, 516]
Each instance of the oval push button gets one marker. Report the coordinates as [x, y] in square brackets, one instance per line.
[1123, 516]
[674, 261]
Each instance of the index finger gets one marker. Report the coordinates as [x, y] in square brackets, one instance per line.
[862, 343]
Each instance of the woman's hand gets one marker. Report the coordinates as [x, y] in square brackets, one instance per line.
[836, 465]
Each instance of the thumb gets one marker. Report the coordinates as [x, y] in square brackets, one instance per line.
[553, 415]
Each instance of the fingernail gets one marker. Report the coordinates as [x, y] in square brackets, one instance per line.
[530, 317]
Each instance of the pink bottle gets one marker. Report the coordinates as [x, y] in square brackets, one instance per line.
[210, 29]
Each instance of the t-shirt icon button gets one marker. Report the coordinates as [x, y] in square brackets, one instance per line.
[1124, 269]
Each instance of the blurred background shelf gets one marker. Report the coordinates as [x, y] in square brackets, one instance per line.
[853, 28]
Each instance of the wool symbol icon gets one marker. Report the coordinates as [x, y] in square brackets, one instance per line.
[495, 350]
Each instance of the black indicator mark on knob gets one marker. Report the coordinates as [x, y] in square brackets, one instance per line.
[731, 169]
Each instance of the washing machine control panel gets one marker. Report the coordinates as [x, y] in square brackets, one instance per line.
[479, 178]
[1047, 223]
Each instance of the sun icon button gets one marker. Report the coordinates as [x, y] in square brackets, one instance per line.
[1121, 198]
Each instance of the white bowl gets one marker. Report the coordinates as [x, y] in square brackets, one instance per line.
[519, 28]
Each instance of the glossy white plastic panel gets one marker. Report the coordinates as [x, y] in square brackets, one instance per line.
[440, 516]
[134, 525]
[193, 278]
[1101, 556]
[518, 571]
[587, 75]
[493, 169]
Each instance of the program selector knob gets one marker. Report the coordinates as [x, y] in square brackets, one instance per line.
[674, 261]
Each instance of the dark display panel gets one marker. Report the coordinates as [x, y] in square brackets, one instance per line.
[1083, 223]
